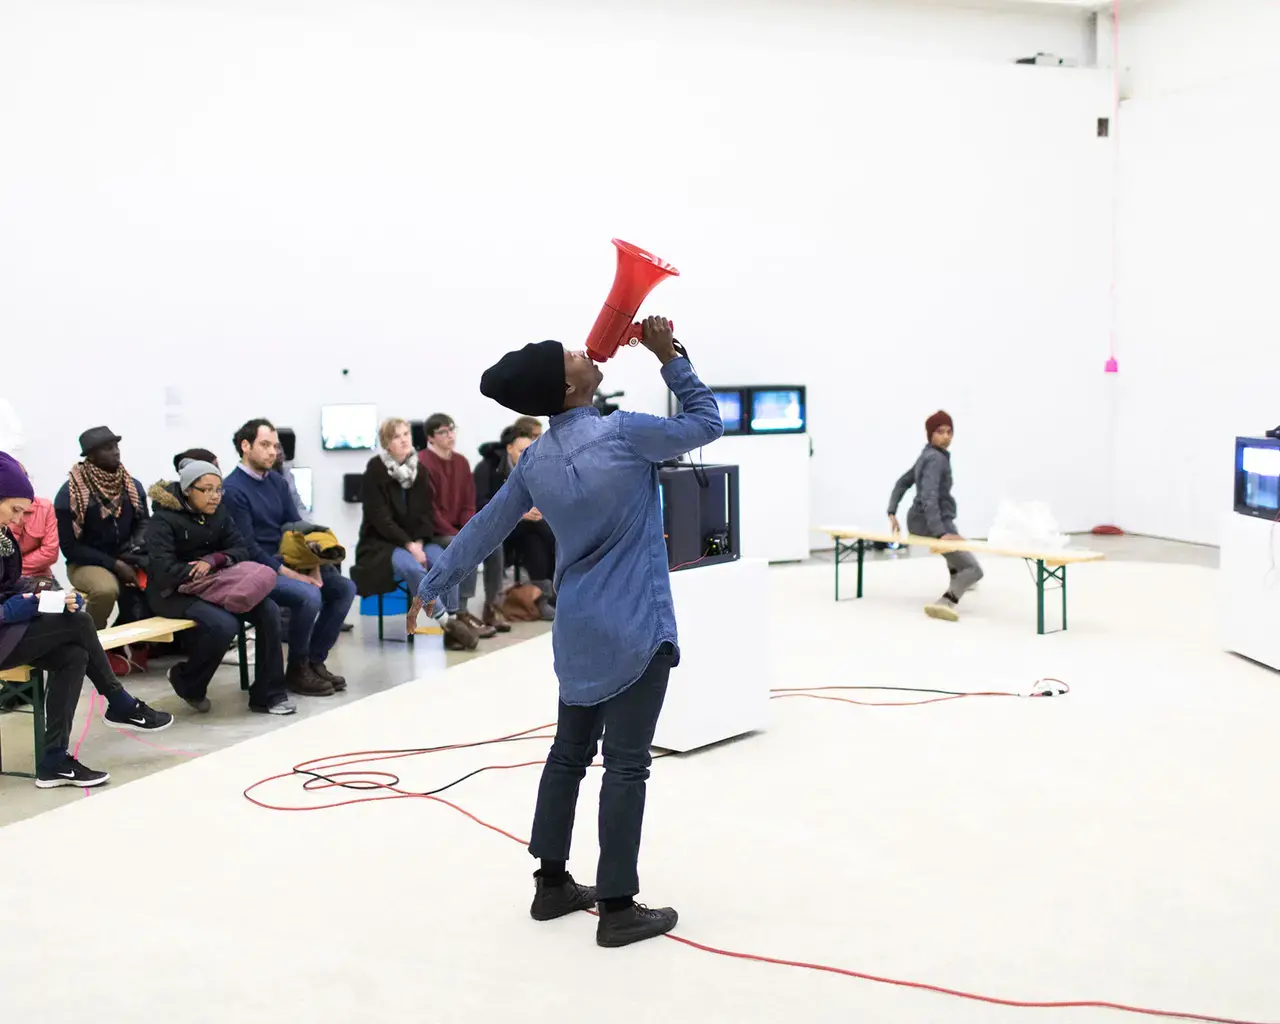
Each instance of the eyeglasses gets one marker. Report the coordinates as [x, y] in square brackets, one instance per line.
[216, 491]
[444, 430]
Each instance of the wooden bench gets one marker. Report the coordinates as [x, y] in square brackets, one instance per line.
[28, 683]
[1050, 565]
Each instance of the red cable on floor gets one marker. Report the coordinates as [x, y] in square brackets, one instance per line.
[319, 768]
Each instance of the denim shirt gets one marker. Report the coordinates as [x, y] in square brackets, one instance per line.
[595, 480]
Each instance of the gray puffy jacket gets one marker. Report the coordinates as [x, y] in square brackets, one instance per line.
[933, 511]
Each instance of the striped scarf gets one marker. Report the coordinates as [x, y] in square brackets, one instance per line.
[88, 481]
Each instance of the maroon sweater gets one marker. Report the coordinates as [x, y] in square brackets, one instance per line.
[453, 491]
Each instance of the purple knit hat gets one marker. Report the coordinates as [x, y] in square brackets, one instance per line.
[13, 480]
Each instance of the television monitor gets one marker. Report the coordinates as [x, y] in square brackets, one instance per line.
[777, 409]
[732, 404]
[348, 427]
[302, 480]
[1258, 477]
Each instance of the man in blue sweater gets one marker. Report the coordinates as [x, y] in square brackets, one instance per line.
[595, 480]
[318, 601]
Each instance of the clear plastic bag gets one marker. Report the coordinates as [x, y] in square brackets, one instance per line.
[1025, 525]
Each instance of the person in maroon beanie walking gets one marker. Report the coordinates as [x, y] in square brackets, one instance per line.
[933, 512]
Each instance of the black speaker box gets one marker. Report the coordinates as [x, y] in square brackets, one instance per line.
[699, 514]
[418, 430]
[351, 487]
[288, 441]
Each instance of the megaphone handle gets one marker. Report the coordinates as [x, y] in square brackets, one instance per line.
[637, 332]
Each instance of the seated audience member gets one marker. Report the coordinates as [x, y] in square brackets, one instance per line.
[37, 537]
[396, 527]
[453, 495]
[530, 424]
[318, 601]
[191, 540]
[285, 470]
[198, 454]
[65, 647]
[102, 519]
[534, 543]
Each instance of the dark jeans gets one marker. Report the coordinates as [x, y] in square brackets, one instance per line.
[215, 633]
[627, 722]
[66, 648]
[535, 546]
[316, 613]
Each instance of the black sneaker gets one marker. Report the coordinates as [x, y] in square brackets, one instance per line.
[142, 718]
[69, 773]
[552, 901]
[634, 924]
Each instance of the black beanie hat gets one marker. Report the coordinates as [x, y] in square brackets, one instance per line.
[529, 381]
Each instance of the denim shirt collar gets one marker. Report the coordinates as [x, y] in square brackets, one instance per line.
[570, 414]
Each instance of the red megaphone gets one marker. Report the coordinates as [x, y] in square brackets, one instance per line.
[637, 275]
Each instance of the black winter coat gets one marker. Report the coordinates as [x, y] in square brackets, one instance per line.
[178, 536]
[491, 472]
[393, 517]
[102, 541]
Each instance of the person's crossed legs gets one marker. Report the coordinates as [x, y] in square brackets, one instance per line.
[66, 648]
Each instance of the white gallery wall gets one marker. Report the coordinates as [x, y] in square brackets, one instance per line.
[1199, 215]
[210, 211]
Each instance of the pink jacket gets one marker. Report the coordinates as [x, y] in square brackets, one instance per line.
[37, 538]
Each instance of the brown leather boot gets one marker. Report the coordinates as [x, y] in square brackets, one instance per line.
[495, 618]
[300, 679]
[476, 626]
[320, 670]
[458, 637]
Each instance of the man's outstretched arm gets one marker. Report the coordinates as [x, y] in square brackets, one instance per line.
[659, 438]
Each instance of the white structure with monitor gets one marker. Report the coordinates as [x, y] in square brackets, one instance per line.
[1249, 571]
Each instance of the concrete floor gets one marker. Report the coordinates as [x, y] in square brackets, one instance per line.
[370, 667]
[1109, 845]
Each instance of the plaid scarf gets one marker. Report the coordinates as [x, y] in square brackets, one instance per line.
[88, 481]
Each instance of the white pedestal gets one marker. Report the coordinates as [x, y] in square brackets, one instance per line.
[1249, 577]
[721, 688]
[773, 492]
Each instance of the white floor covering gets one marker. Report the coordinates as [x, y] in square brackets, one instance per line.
[1119, 843]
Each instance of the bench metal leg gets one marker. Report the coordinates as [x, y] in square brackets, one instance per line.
[1043, 575]
[408, 596]
[379, 617]
[842, 551]
[31, 691]
[242, 646]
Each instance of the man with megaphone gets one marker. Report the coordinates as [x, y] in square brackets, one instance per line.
[595, 480]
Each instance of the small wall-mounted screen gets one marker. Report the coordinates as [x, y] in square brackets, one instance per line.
[730, 403]
[348, 427]
[777, 410]
[302, 480]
